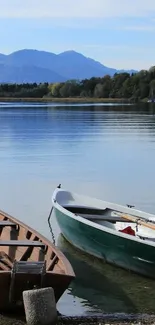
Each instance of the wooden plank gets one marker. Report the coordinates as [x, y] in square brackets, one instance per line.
[6, 223]
[35, 267]
[4, 267]
[52, 263]
[5, 259]
[23, 243]
[137, 220]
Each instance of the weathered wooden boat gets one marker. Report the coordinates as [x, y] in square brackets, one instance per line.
[28, 261]
[119, 235]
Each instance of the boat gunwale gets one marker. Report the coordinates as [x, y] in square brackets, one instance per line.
[67, 266]
[95, 225]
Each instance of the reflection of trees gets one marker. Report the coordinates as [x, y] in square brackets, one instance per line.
[40, 123]
[72, 122]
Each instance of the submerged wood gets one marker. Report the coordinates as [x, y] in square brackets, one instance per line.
[27, 261]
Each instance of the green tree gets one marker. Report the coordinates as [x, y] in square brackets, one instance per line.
[54, 89]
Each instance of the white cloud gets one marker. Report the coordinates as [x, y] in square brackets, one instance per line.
[78, 9]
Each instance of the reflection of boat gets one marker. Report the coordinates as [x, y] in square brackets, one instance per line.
[27, 261]
[92, 285]
[117, 234]
[103, 287]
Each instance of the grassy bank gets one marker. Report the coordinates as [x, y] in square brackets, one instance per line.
[65, 100]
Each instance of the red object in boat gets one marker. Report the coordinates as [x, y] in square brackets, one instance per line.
[128, 230]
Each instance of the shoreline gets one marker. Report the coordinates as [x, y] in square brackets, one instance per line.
[66, 100]
[120, 319]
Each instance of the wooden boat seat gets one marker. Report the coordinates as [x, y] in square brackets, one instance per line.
[26, 267]
[23, 243]
[6, 223]
[37, 267]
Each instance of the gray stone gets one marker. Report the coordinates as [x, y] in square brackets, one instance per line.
[40, 306]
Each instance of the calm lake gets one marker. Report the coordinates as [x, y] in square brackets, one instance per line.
[102, 150]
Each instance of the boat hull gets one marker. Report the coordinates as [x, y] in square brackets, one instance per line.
[22, 251]
[58, 282]
[112, 248]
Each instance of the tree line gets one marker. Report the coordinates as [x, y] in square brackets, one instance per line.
[136, 86]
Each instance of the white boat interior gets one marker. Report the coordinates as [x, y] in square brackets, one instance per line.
[117, 217]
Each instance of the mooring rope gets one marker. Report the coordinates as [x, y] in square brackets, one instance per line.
[51, 230]
[49, 221]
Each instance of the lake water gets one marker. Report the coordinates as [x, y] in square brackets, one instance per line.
[105, 151]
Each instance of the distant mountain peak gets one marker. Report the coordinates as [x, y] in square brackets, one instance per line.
[71, 53]
[50, 67]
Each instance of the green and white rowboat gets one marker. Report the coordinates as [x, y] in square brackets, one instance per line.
[119, 235]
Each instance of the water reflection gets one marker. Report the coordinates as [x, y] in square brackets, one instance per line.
[103, 151]
[72, 122]
[106, 288]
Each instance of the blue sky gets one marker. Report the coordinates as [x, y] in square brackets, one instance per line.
[118, 33]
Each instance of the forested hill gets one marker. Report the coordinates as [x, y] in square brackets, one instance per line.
[136, 86]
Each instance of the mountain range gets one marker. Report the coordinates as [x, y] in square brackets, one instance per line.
[28, 66]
